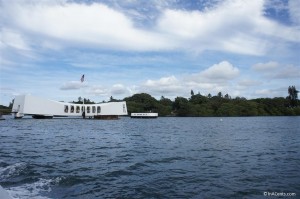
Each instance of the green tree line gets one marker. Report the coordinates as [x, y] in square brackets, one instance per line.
[204, 106]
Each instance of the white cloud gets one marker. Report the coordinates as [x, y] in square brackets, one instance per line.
[288, 72]
[106, 91]
[235, 26]
[11, 38]
[73, 85]
[14, 45]
[90, 24]
[118, 89]
[274, 70]
[264, 92]
[294, 6]
[213, 79]
[164, 85]
[249, 82]
[221, 72]
[98, 90]
[268, 93]
[133, 89]
[51, 45]
[271, 65]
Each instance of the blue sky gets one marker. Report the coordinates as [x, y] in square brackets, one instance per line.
[165, 48]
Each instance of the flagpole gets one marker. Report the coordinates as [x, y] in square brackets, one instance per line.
[82, 80]
[83, 113]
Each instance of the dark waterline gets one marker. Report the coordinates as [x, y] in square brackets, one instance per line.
[239, 157]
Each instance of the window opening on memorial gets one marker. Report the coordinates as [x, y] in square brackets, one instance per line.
[66, 109]
[72, 109]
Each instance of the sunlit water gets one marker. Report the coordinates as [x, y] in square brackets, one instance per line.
[239, 157]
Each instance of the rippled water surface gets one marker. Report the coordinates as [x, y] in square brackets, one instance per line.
[154, 158]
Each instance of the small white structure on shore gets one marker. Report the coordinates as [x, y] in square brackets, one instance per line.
[144, 115]
[43, 108]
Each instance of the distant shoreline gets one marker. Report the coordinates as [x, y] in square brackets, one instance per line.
[203, 106]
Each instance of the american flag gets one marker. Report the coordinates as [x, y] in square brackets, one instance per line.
[82, 78]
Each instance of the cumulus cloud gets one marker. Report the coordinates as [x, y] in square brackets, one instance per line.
[118, 89]
[220, 72]
[164, 85]
[73, 85]
[213, 79]
[107, 91]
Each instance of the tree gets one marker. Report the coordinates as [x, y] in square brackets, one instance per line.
[181, 106]
[88, 101]
[192, 93]
[144, 101]
[220, 94]
[227, 96]
[293, 95]
[178, 102]
[198, 99]
[165, 101]
[165, 106]
[11, 104]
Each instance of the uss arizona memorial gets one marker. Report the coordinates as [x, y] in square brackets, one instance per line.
[43, 108]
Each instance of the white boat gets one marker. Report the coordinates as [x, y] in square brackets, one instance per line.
[40, 108]
[144, 115]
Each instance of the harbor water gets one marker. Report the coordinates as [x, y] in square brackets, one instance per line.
[171, 157]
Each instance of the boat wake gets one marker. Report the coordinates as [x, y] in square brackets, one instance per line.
[11, 170]
[39, 189]
[33, 190]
